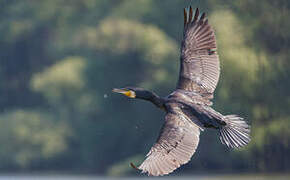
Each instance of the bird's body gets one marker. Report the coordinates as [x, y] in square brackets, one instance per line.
[188, 108]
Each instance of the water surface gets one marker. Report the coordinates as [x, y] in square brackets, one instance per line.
[201, 177]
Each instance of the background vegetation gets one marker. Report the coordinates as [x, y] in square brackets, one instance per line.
[60, 59]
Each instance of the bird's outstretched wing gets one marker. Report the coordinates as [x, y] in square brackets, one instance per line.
[199, 69]
[176, 144]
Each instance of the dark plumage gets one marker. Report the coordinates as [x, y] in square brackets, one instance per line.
[188, 108]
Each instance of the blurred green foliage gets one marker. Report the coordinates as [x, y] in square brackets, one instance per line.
[60, 59]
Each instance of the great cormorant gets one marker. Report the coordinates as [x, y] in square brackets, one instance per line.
[188, 108]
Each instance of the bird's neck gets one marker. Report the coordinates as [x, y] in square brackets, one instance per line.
[154, 98]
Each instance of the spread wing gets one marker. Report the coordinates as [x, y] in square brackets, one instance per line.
[176, 144]
[199, 69]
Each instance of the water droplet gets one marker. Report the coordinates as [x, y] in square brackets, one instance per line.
[105, 95]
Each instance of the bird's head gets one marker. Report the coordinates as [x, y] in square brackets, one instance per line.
[139, 93]
[132, 92]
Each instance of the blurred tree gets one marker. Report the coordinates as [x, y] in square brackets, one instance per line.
[60, 59]
[28, 138]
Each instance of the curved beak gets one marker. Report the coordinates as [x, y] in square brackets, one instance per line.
[126, 92]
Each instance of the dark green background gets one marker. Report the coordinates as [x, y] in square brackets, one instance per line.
[59, 60]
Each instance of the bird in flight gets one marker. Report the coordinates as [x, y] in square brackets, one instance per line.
[188, 108]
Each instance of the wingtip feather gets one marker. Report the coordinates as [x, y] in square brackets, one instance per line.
[190, 14]
[201, 19]
[196, 15]
[134, 167]
[185, 16]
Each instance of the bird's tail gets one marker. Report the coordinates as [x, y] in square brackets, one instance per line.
[236, 132]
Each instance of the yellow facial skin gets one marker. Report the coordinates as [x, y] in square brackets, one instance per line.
[130, 94]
